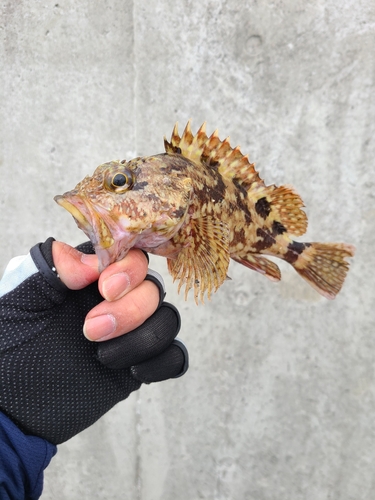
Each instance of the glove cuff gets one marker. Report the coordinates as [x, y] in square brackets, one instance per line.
[43, 259]
[182, 346]
[157, 279]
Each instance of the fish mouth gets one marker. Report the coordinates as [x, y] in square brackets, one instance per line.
[77, 214]
[110, 242]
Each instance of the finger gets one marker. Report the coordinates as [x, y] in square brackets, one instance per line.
[172, 363]
[70, 268]
[121, 277]
[77, 270]
[110, 319]
[145, 342]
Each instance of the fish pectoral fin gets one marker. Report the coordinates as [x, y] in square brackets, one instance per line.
[260, 264]
[203, 261]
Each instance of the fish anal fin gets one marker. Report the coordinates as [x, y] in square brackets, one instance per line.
[203, 261]
[322, 265]
[260, 264]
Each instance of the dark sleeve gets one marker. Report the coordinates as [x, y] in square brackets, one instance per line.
[23, 459]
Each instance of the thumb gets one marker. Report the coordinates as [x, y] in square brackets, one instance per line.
[74, 272]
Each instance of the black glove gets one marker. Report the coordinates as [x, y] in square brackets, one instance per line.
[53, 381]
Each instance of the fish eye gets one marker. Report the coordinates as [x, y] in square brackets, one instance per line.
[120, 181]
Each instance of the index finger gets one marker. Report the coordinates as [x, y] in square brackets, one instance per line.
[77, 270]
[121, 277]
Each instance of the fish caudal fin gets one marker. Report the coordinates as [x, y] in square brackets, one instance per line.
[322, 265]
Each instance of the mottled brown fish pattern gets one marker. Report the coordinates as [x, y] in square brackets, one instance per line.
[200, 204]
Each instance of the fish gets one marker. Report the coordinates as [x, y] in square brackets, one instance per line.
[200, 204]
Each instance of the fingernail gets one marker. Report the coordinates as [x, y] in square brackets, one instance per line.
[99, 328]
[90, 260]
[115, 286]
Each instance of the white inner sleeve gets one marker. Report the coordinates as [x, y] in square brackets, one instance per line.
[18, 270]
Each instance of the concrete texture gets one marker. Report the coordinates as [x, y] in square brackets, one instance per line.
[279, 400]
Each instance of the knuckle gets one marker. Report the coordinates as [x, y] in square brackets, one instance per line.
[134, 264]
[137, 310]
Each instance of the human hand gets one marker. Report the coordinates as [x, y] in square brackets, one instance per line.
[54, 381]
[129, 298]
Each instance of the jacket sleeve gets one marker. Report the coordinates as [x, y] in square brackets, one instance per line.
[23, 459]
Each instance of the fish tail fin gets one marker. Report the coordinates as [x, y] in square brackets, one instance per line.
[322, 265]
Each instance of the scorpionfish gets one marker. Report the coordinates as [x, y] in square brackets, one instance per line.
[200, 204]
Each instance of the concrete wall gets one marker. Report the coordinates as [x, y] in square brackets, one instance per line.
[279, 400]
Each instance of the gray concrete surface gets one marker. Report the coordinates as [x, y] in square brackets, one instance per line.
[279, 400]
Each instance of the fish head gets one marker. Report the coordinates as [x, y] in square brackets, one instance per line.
[139, 203]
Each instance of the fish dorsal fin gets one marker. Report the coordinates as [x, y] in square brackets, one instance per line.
[201, 149]
[280, 205]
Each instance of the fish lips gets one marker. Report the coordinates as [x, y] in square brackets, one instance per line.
[78, 209]
[109, 246]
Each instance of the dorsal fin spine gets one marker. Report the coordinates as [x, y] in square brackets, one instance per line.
[175, 131]
[200, 148]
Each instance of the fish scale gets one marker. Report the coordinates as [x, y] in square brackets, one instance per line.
[200, 204]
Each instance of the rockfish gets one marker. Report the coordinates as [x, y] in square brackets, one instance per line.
[200, 204]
